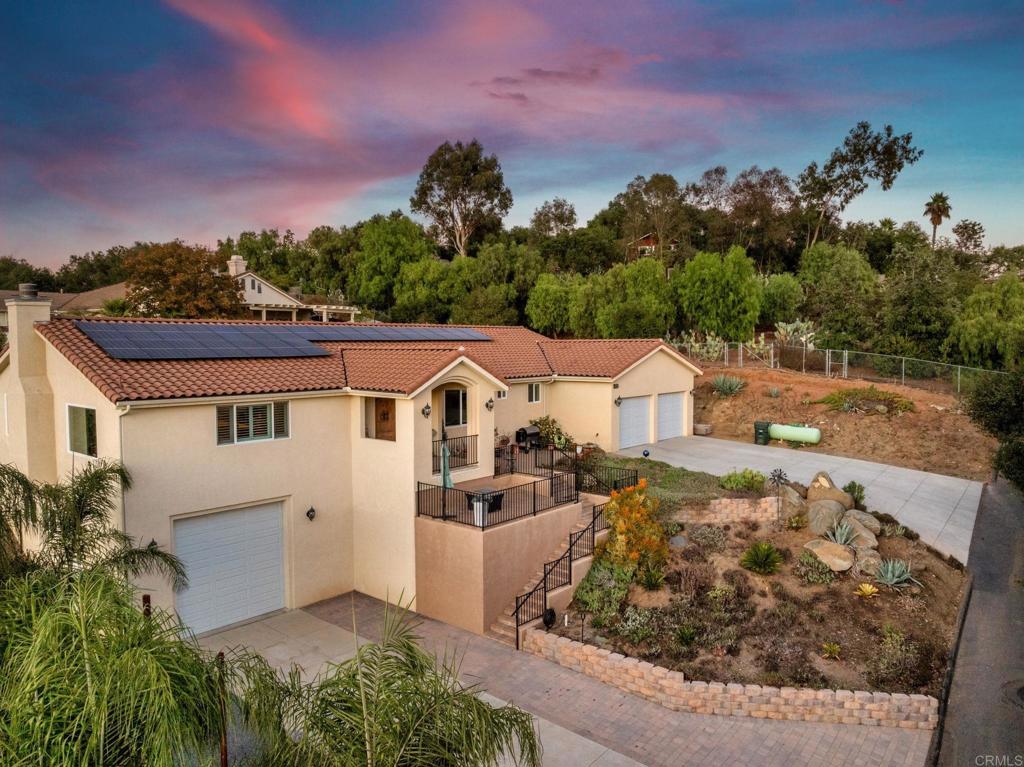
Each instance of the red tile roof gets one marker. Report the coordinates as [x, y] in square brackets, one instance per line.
[393, 367]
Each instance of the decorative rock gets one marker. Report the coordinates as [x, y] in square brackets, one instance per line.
[823, 515]
[870, 521]
[802, 489]
[838, 558]
[822, 493]
[862, 537]
[678, 541]
[868, 562]
[792, 502]
[821, 479]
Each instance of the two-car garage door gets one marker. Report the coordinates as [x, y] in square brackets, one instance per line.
[634, 419]
[234, 561]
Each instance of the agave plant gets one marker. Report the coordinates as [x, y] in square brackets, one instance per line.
[894, 530]
[761, 558]
[866, 590]
[727, 386]
[830, 650]
[895, 573]
[841, 533]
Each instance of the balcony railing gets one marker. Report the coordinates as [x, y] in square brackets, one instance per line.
[461, 452]
[544, 460]
[485, 508]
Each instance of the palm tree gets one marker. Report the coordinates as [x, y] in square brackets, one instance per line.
[391, 705]
[87, 679]
[73, 522]
[936, 209]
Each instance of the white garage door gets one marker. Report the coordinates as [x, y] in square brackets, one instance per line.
[670, 415]
[234, 563]
[633, 421]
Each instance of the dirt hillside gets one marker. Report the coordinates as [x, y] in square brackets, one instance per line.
[937, 436]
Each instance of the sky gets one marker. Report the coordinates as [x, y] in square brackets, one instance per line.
[135, 120]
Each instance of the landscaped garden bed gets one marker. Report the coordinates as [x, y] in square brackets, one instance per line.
[823, 597]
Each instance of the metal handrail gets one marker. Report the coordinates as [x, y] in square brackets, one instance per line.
[462, 451]
[494, 507]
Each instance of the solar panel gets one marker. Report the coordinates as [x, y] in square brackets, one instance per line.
[180, 340]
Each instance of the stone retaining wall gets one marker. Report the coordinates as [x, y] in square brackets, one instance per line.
[723, 511]
[670, 689]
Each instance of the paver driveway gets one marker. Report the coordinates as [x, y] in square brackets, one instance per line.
[941, 509]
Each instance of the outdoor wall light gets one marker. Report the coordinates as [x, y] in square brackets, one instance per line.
[618, 401]
[489, 404]
[426, 411]
[310, 513]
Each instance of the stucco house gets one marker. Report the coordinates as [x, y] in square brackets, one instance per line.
[290, 462]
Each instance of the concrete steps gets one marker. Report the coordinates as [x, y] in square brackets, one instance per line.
[504, 628]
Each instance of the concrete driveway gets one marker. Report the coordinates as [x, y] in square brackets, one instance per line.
[941, 509]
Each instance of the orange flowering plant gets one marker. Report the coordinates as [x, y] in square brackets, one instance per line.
[636, 538]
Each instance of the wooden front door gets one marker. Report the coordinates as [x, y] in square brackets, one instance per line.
[384, 418]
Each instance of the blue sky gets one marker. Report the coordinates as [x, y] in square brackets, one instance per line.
[201, 118]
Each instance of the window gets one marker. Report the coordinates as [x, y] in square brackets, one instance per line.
[379, 418]
[82, 430]
[250, 423]
[455, 407]
[259, 288]
[533, 392]
[501, 394]
[252, 283]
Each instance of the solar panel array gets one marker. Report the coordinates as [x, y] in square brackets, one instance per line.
[191, 341]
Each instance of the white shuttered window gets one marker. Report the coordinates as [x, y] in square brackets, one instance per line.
[250, 423]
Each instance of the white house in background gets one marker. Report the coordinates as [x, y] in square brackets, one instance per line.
[269, 302]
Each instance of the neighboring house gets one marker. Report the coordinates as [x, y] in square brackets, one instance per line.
[648, 246]
[70, 304]
[290, 462]
[268, 302]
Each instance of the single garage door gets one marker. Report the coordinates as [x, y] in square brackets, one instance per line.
[634, 419]
[670, 415]
[234, 562]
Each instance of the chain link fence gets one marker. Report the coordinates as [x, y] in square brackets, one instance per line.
[838, 363]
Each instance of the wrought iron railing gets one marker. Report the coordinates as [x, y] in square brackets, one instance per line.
[485, 508]
[541, 461]
[558, 572]
[461, 452]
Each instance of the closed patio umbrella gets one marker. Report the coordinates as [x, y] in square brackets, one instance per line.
[446, 465]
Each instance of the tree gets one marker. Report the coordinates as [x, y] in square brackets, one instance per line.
[460, 190]
[919, 303]
[548, 306]
[586, 296]
[760, 208]
[970, 236]
[935, 210]
[989, 331]
[385, 243]
[553, 218]
[635, 301]
[653, 205]
[841, 292]
[719, 294]
[864, 156]
[172, 279]
[781, 298]
[14, 271]
[996, 404]
[587, 250]
[94, 270]
[333, 259]
[420, 291]
[391, 704]
[87, 679]
[487, 305]
[507, 263]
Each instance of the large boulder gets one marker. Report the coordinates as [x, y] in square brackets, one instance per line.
[870, 521]
[823, 515]
[868, 562]
[822, 479]
[792, 502]
[838, 558]
[862, 537]
[824, 493]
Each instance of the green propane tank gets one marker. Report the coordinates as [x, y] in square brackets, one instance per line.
[808, 434]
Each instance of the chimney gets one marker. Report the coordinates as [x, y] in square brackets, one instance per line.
[29, 399]
[236, 265]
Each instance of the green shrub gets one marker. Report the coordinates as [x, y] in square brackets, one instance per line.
[727, 386]
[893, 530]
[651, 576]
[867, 400]
[686, 635]
[897, 663]
[856, 491]
[637, 624]
[602, 591]
[761, 558]
[708, 537]
[773, 392]
[748, 479]
[797, 522]
[895, 573]
[841, 533]
[813, 570]
[551, 431]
